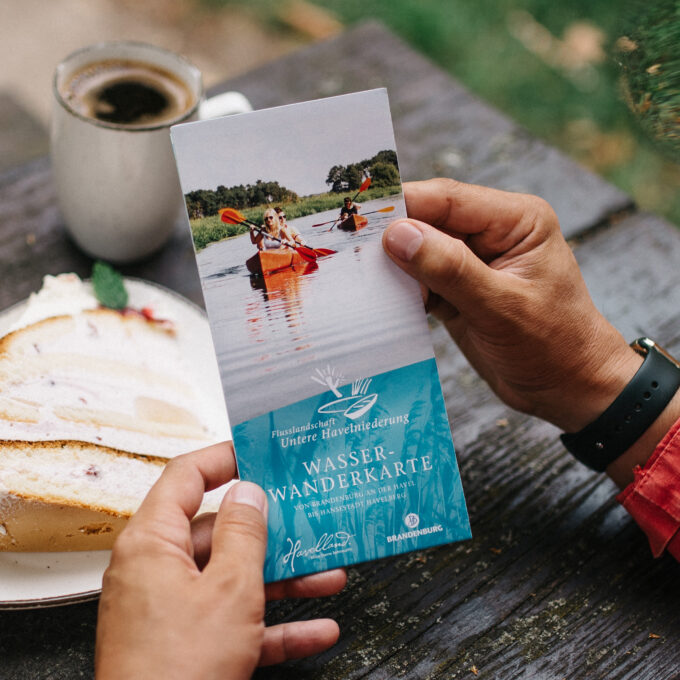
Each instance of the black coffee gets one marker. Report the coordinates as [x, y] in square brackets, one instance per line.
[126, 92]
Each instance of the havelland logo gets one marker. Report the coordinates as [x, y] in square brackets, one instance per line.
[352, 406]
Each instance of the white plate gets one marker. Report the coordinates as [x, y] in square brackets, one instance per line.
[36, 580]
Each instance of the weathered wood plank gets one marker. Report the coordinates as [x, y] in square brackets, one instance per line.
[632, 269]
[441, 128]
[22, 138]
[48, 644]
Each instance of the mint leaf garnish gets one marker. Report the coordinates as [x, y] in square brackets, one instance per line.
[108, 286]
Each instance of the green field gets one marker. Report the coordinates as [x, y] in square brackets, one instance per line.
[206, 230]
[555, 68]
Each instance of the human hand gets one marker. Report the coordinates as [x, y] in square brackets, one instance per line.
[500, 276]
[184, 598]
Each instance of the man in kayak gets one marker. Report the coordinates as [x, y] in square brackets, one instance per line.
[349, 208]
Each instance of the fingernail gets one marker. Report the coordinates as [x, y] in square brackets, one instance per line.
[248, 494]
[403, 240]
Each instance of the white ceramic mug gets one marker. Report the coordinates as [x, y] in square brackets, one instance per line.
[117, 185]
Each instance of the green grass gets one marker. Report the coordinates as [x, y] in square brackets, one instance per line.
[580, 110]
[206, 230]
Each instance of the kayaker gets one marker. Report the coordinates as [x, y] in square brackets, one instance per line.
[292, 232]
[349, 208]
[273, 235]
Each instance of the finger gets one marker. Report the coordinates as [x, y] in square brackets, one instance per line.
[201, 537]
[315, 585]
[178, 493]
[239, 537]
[445, 265]
[297, 639]
[464, 208]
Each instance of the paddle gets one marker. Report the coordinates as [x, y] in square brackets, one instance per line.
[364, 185]
[232, 216]
[370, 212]
[321, 252]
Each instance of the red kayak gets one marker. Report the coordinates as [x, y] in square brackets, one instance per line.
[266, 262]
[353, 223]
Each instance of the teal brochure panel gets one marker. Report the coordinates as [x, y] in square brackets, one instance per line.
[355, 477]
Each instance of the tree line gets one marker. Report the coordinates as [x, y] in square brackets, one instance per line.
[382, 168]
[206, 202]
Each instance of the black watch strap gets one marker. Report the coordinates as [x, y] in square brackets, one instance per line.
[632, 412]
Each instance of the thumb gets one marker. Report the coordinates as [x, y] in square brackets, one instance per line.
[442, 263]
[240, 531]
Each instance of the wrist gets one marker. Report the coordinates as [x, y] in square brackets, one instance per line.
[628, 430]
[603, 374]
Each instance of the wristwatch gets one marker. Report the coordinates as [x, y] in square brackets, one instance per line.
[632, 412]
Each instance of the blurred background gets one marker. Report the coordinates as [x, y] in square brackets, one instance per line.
[599, 79]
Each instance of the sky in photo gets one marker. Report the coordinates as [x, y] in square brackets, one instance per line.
[293, 145]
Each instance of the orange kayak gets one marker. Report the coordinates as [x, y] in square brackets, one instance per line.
[269, 261]
[353, 223]
[285, 281]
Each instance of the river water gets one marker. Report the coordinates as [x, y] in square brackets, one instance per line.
[355, 314]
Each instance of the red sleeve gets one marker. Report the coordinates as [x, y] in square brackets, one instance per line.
[653, 497]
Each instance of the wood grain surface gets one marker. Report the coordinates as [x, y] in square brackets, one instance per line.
[557, 581]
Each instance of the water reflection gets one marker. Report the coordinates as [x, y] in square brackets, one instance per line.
[282, 301]
[354, 310]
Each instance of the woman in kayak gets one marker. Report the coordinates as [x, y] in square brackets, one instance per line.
[292, 232]
[272, 234]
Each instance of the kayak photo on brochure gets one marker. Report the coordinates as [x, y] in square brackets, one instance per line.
[322, 342]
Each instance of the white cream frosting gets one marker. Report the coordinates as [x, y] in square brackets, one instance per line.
[64, 294]
[68, 294]
[116, 370]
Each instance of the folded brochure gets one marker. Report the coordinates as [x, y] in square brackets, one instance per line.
[322, 342]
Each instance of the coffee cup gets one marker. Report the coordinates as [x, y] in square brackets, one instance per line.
[114, 171]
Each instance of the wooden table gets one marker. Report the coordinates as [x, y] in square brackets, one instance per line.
[557, 582]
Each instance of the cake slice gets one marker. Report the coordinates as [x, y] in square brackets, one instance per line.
[69, 495]
[92, 403]
[125, 379]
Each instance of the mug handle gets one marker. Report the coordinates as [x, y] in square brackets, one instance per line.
[223, 104]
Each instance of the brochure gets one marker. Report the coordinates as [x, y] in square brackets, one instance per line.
[322, 342]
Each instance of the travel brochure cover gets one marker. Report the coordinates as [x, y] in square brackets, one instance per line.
[322, 342]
